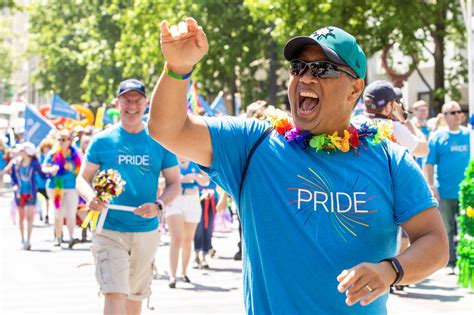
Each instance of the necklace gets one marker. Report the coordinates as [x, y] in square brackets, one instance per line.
[372, 132]
[24, 171]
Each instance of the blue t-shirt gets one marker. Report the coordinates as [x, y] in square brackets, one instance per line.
[308, 215]
[68, 178]
[25, 177]
[192, 168]
[139, 160]
[3, 162]
[449, 153]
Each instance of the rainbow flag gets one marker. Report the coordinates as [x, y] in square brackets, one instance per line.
[194, 103]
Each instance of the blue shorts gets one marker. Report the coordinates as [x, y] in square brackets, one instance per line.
[26, 199]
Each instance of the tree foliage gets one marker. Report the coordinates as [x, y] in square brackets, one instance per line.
[6, 66]
[377, 24]
[76, 42]
[88, 46]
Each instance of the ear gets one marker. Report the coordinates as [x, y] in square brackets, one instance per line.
[388, 110]
[358, 86]
[116, 103]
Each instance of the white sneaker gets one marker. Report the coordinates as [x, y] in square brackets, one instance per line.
[26, 245]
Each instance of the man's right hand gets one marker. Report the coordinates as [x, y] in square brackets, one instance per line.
[96, 204]
[183, 45]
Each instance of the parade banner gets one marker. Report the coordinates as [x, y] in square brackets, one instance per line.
[60, 107]
[36, 126]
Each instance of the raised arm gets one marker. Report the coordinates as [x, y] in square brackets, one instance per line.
[182, 133]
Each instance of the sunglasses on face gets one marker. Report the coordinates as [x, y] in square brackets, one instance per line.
[63, 139]
[319, 69]
[454, 112]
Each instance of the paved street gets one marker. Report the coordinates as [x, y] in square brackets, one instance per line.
[52, 280]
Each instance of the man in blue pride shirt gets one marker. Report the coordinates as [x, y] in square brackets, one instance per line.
[319, 230]
[124, 250]
[449, 152]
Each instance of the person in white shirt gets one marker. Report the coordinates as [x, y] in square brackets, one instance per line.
[383, 102]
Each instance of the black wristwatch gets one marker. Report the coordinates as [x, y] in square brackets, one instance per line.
[160, 204]
[397, 267]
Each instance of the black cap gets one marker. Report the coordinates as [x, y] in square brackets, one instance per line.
[131, 85]
[381, 93]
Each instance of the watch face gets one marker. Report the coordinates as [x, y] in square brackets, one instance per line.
[159, 204]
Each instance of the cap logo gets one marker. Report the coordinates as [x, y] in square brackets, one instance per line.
[132, 85]
[323, 32]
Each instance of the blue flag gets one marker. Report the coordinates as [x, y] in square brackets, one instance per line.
[206, 106]
[218, 105]
[60, 107]
[36, 126]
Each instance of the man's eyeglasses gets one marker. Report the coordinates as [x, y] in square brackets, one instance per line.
[319, 69]
[454, 112]
[63, 139]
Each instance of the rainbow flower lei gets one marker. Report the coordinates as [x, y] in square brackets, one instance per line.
[59, 159]
[373, 132]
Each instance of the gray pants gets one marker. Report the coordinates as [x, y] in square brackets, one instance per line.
[449, 210]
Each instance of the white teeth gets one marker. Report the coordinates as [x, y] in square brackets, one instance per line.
[308, 94]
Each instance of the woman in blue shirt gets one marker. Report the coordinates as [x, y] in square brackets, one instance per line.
[23, 173]
[182, 217]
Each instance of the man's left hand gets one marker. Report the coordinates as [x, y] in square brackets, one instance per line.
[147, 210]
[366, 282]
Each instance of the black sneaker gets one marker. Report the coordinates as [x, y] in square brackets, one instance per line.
[204, 264]
[172, 283]
[238, 255]
[46, 219]
[186, 279]
[73, 242]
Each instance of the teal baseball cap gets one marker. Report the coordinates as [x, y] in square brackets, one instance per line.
[338, 46]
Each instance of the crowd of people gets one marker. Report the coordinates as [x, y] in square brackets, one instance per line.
[384, 206]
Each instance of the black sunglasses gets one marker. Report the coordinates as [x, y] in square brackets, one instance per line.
[63, 139]
[319, 69]
[454, 112]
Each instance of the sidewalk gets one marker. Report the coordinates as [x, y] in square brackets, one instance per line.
[52, 280]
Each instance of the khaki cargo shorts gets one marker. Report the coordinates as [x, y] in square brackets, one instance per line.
[125, 261]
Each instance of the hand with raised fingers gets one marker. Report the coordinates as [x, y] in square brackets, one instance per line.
[365, 282]
[183, 45]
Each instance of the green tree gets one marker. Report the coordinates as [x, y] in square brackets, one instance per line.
[76, 41]
[6, 66]
[377, 24]
[235, 41]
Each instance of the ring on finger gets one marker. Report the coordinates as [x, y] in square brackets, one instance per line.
[369, 288]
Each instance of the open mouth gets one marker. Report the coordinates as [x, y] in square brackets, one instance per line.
[308, 101]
